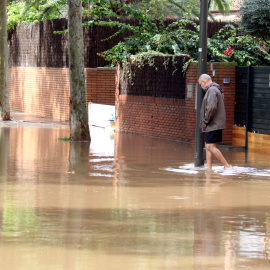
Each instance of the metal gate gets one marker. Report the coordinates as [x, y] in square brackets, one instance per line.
[252, 99]
[240, 110]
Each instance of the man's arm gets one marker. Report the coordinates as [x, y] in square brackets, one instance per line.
[211, 105]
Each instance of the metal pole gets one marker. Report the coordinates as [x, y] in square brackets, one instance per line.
[249, 92]
[202, 68]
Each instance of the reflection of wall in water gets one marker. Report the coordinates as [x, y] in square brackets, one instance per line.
[36, 156]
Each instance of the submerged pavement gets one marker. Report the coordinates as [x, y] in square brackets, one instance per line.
[126, 201]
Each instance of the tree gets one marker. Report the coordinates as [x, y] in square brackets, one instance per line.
[255, 18]
[222, 5]
[189, 9]
[98, 9]
[4, 94]
[79, 129]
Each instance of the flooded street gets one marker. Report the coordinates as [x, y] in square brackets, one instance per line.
[127, 202]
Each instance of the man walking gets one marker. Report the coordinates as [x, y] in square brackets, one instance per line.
[212, 119]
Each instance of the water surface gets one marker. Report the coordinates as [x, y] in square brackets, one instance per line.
[127, 202]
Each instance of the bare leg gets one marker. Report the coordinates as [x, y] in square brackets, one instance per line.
[209, 159]
[211, 150]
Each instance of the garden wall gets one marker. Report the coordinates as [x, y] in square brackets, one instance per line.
[45, 91]
[172, 118]
[38, 82]
[36, 45]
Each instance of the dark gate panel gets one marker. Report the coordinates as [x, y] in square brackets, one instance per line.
[260, 101]
[240, 110]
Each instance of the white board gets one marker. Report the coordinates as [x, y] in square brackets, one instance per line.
[100, 115]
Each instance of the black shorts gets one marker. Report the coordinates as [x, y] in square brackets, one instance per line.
[214, 136]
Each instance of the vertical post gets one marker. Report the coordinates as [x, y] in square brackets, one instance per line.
[202, 68]
[78, 116]
[4, 94]
[249, 97]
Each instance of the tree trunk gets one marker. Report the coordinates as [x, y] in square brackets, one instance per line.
[4, 100]
[79, 129]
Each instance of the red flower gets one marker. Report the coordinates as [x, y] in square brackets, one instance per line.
[228, 52]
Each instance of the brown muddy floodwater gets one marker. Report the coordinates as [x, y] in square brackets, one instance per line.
[127, 202]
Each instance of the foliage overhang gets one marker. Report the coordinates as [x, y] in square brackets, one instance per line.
[182, 38]
[152, 36]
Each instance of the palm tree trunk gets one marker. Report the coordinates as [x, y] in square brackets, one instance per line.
[4, 97]
[79, 129]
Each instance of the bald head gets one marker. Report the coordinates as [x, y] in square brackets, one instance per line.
[204, 80]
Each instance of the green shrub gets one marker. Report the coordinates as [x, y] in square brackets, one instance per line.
[255, 18]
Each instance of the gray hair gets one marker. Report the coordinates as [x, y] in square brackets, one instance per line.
[205, 77]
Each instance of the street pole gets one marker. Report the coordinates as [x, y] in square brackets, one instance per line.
[202, 68]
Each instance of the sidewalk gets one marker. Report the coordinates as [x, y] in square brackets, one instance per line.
[19, 118]
[24, 119]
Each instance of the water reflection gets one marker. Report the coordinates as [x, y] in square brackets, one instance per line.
[127, 201]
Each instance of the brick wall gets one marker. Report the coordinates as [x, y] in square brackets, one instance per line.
[45, 91]
[173, 118]
[100, 85]
[151, 116]
[40, 91]
[157, 117]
